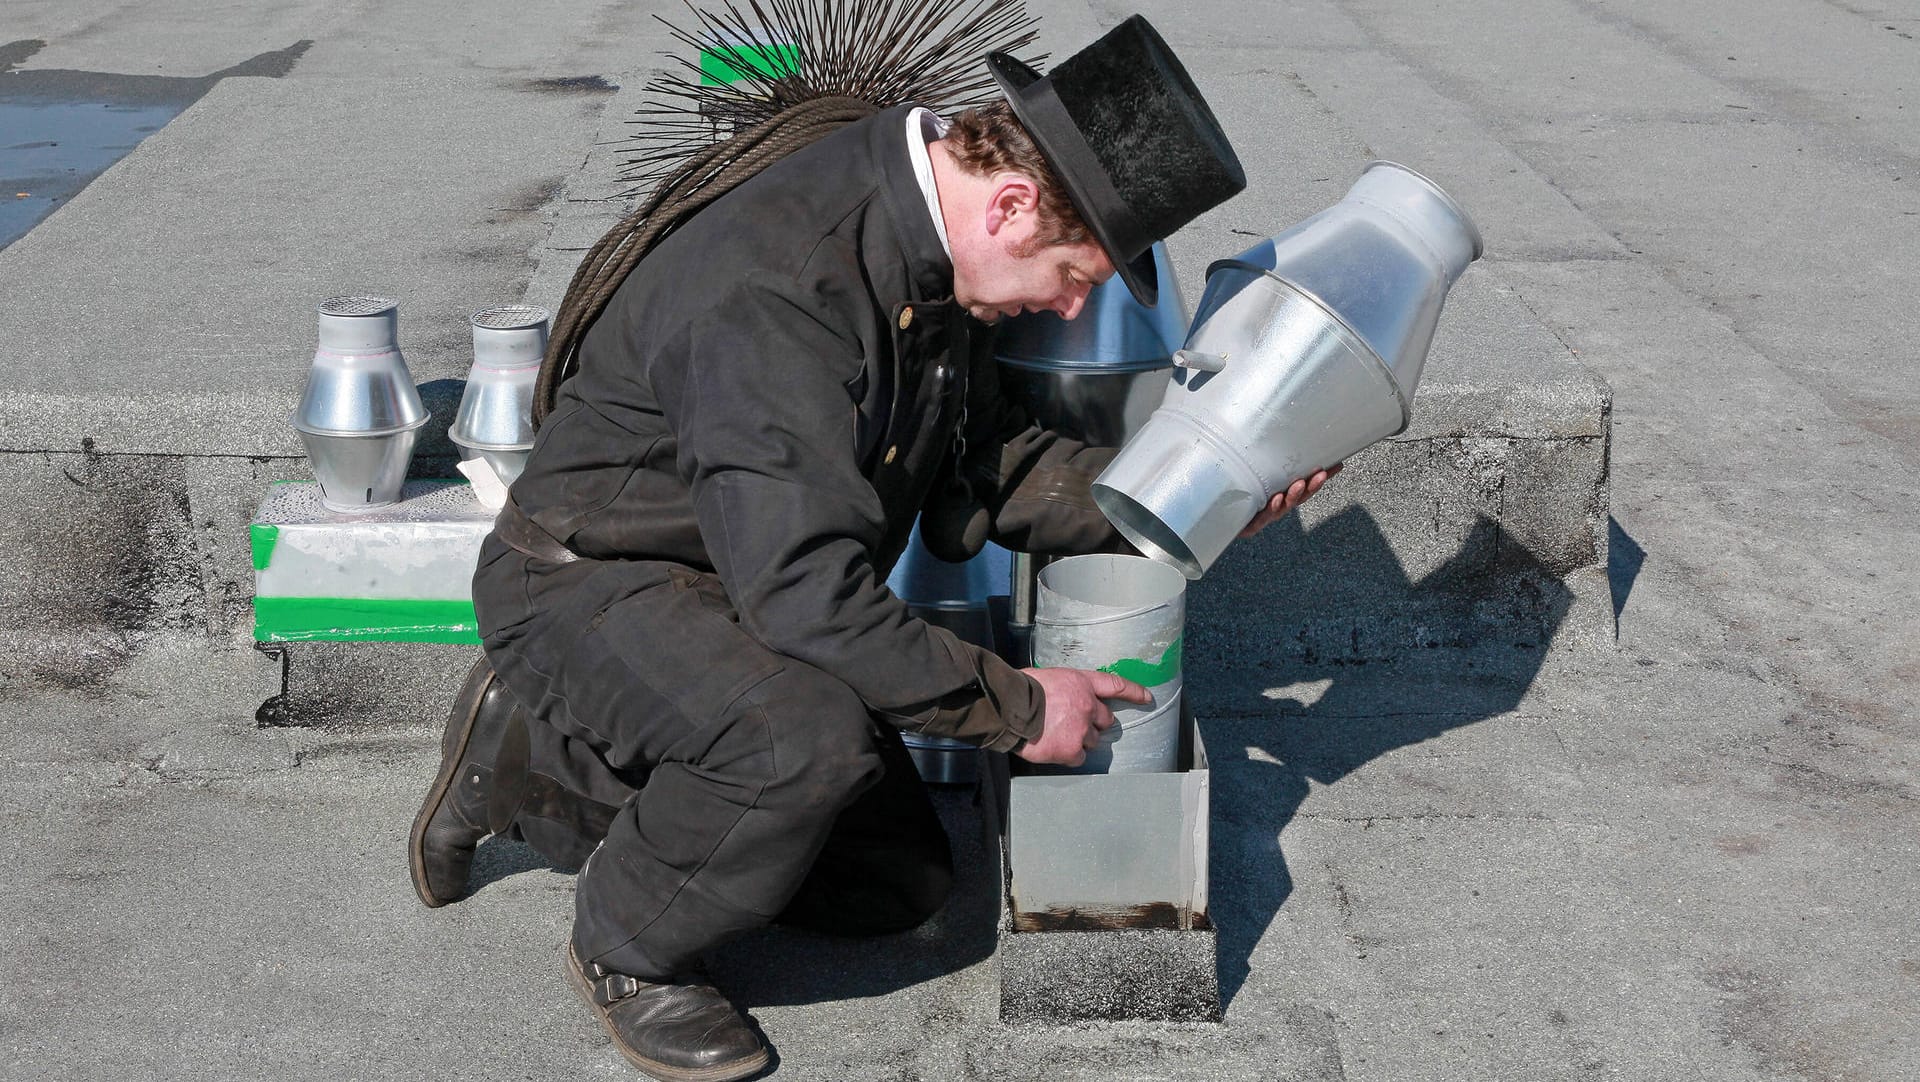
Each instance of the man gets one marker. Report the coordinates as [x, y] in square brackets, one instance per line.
[685, 595]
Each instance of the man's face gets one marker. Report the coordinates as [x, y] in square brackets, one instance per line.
[1007, 273]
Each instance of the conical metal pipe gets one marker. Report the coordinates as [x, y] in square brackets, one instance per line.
[495, 418]
[1307, 348]
[360, 413]
[1097, 377]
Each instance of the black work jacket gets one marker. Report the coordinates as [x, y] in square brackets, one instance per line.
[774, 393]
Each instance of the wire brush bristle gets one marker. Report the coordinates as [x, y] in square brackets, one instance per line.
[886, 52]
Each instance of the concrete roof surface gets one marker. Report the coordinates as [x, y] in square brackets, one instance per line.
[1688, 854]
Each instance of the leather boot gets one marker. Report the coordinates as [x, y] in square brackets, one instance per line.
[681, 1030]
[481, 782]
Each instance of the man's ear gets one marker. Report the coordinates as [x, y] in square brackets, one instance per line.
[1015, 199]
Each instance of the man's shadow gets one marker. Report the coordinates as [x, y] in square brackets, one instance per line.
[783, 966]
[1358, 677]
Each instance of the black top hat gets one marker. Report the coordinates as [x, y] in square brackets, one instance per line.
[1130, 138]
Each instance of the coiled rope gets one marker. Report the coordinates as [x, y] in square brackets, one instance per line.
[703, 178]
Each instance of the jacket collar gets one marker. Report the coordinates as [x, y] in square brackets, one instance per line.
[928, 266]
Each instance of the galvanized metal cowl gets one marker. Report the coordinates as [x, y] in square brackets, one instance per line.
[1097, 377]
[1307, 348]
[495, 418]
[926, 582]
[360, 413]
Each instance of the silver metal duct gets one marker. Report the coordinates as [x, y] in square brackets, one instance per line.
[1307, 348]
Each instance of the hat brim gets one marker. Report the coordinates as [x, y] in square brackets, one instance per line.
[1015, 79]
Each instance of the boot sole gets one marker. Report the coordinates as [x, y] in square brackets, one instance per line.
[449, 769]
[723, 1072]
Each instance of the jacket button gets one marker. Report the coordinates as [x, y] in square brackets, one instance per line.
[906, 318]
[891, 452]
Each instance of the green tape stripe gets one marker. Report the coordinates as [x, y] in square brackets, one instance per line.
[264, 536]
[363, 619]
[1150, 673]
[718, 67]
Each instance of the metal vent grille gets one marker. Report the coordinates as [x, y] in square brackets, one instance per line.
[356, 306]
[510, 317]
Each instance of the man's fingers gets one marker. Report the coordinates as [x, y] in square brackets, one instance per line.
[1108, 686]
[1099, 717]
[1289, 498]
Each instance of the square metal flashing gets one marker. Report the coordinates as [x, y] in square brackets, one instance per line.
[1104, 899]
[399, 573]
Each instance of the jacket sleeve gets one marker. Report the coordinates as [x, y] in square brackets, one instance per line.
[765, 428]
[1036, 483]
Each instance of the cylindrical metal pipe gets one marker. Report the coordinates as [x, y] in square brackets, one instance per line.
[1021, 587]
[1124, 615]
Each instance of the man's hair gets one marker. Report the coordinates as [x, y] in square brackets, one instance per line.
[989, 139]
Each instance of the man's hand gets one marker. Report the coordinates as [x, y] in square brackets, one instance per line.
[1295, 495]
[1075, 715]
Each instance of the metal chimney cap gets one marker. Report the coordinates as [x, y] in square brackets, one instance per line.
[510, 317]
[357, 305]
[359, 324]
[1113, 333]
[508, 337]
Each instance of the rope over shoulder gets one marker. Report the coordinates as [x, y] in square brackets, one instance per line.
[703, 178]
[795, 71]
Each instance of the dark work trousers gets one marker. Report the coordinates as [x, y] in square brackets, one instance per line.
[709, 785]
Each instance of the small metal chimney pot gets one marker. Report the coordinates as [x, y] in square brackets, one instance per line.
[495, 418]
[1307, 348]
[361, 413]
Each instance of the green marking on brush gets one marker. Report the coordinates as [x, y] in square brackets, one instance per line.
[263, 535]
[1149, 673]
[732, 63]
[363, 619]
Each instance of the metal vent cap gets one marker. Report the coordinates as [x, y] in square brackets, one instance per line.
[357, 305]
[510, 317]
